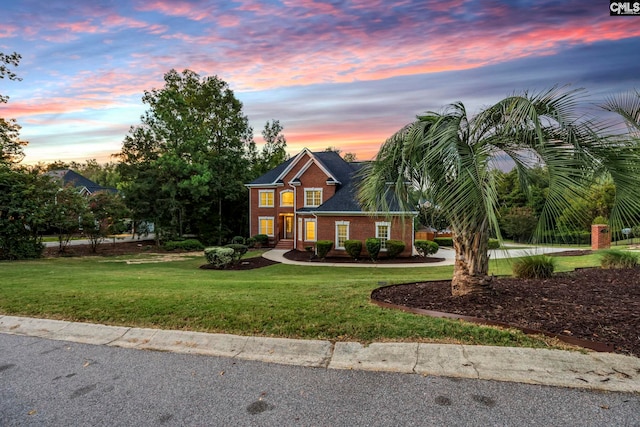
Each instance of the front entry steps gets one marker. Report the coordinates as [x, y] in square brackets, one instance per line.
[284, 244]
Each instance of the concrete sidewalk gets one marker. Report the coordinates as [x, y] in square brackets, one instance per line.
[447, 254]
[597, 371]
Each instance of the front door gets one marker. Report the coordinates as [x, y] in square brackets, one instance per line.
[288, 227]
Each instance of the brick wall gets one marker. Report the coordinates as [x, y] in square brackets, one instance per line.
[361, 228]
[600, 237]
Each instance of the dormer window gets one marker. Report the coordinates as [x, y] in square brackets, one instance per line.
[312, 197]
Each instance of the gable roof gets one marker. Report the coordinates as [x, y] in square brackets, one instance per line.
[85, 185]
[344, 175]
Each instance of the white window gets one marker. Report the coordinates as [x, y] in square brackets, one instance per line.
[265, 198]
[312, 197]
[383, 232]
[265, 225]
[310, 230]
[286, 198]
[342, 233]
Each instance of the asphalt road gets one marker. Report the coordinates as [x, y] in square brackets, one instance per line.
[57, 383]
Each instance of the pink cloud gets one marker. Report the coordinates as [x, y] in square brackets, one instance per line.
[79, 27]
[190, 10]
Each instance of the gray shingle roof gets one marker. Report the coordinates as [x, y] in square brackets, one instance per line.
[345, 198]
[69, 177]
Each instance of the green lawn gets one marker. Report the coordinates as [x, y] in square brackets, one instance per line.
[280, 300]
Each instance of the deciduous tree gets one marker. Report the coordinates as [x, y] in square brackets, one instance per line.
[11, 146]
[25, 201]
[274, 150]
[184, 166]
[106, 216]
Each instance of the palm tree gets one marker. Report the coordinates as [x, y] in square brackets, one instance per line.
[450, 156]
[627, 106]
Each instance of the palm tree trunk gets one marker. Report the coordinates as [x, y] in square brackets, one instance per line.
[471, 268]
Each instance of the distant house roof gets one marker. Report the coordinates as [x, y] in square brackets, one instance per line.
[345, 175]
[84, 185]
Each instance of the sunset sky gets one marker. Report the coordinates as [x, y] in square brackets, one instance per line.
[335, 73]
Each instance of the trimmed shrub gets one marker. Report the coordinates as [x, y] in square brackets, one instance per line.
[353, 248]
[323, 247]
[262, 240]
[394, 248]
[444, 241]
[185, 245]
[426, 247]
[238, 250]
[494, 244]
[251, 242]
[534, 267]
[618, 259]
[238, 240]
[373, 245]
[219, 257]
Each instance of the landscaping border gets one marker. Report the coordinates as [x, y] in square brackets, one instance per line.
[591, 345]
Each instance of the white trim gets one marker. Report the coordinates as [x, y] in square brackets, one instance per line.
[337, 224]
[313, 160]
[383, 246]
[250, 214]
[312, 189]
[294, 162]
[273, 202]
[315, 229]
[292, 201]
[273, 225]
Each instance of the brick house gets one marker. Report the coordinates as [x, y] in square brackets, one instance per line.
[312, 197]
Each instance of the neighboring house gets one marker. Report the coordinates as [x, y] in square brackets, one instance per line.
[312, 197]
[85, 186]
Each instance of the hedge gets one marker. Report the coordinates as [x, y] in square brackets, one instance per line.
[353, 248]
[219, 257]
[239, 240]
[323, 247]
[238, 250]
[444, 241]
[426, 247]
[261, 239]
[373, 245]
[394, 248]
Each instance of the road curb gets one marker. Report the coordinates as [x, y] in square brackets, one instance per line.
[595, 371]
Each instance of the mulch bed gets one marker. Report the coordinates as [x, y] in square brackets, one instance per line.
[245, 264]
[295, 255]
[590, 304]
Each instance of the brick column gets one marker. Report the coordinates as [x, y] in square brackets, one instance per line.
[600, 237]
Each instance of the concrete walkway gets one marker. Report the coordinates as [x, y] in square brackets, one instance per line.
[447, 254]
[596, 371]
